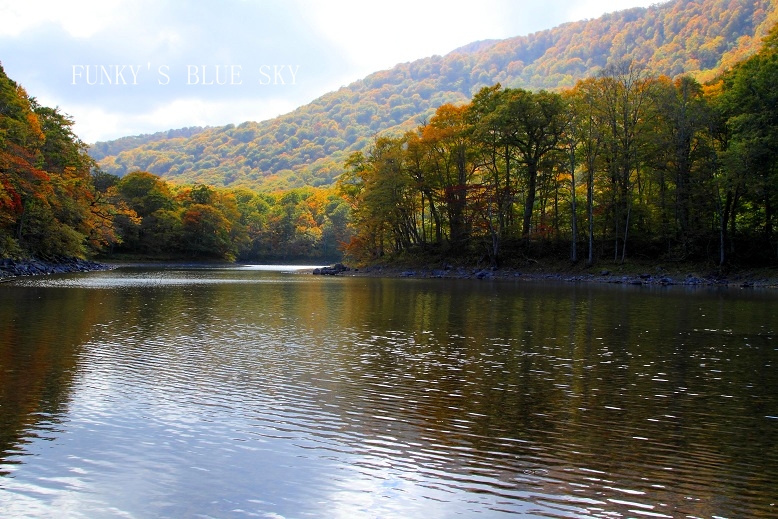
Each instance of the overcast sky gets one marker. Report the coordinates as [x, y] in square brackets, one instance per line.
[125, 67]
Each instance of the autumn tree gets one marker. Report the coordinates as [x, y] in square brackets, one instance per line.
[48, 202]
[384, 205]
[206, 232]
[587, 128]
[451, 167]
[419, 159]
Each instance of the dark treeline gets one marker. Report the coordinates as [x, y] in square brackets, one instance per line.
[623, 165]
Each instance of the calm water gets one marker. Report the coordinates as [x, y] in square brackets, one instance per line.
[251, 393]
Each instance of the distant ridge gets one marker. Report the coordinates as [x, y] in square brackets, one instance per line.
[309, 145]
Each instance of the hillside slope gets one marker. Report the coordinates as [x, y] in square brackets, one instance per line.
[309, 145]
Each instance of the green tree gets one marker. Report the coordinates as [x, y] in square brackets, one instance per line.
[493, 155]
[749, 104]
[683, 149]
[145, 193]
[152, 224]
[534, 123]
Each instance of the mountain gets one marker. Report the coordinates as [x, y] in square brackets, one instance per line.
[309, 145]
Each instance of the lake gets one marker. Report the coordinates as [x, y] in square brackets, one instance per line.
[259, 392]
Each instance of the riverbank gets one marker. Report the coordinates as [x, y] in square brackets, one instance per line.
[628, 274]
[631, 274]
[10, 268]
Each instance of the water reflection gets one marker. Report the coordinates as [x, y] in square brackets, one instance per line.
[248, 392]
[40, 338]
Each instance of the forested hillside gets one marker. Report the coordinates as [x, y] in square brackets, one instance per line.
[624, 164]
[308, 146]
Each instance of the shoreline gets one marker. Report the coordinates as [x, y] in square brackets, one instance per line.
[738, 279]
[619, 275]
[11, 268]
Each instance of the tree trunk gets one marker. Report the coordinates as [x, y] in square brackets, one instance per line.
[590, 212]
[574, 221]
[529, 203]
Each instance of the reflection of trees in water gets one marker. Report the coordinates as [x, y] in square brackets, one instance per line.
[620, 382]
[41, 331]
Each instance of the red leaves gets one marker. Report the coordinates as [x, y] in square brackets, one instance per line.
[20, 180]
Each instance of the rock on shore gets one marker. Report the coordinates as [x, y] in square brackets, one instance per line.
[334, 270]
[35, 267]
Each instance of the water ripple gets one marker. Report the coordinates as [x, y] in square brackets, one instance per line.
[258, 393]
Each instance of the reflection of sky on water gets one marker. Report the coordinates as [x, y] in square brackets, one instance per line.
[278, 268]
[147, 452]
[144, 277]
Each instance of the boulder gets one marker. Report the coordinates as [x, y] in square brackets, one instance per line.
[332, 270]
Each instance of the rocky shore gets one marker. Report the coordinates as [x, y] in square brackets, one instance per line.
[35, 267]
[745, 279]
